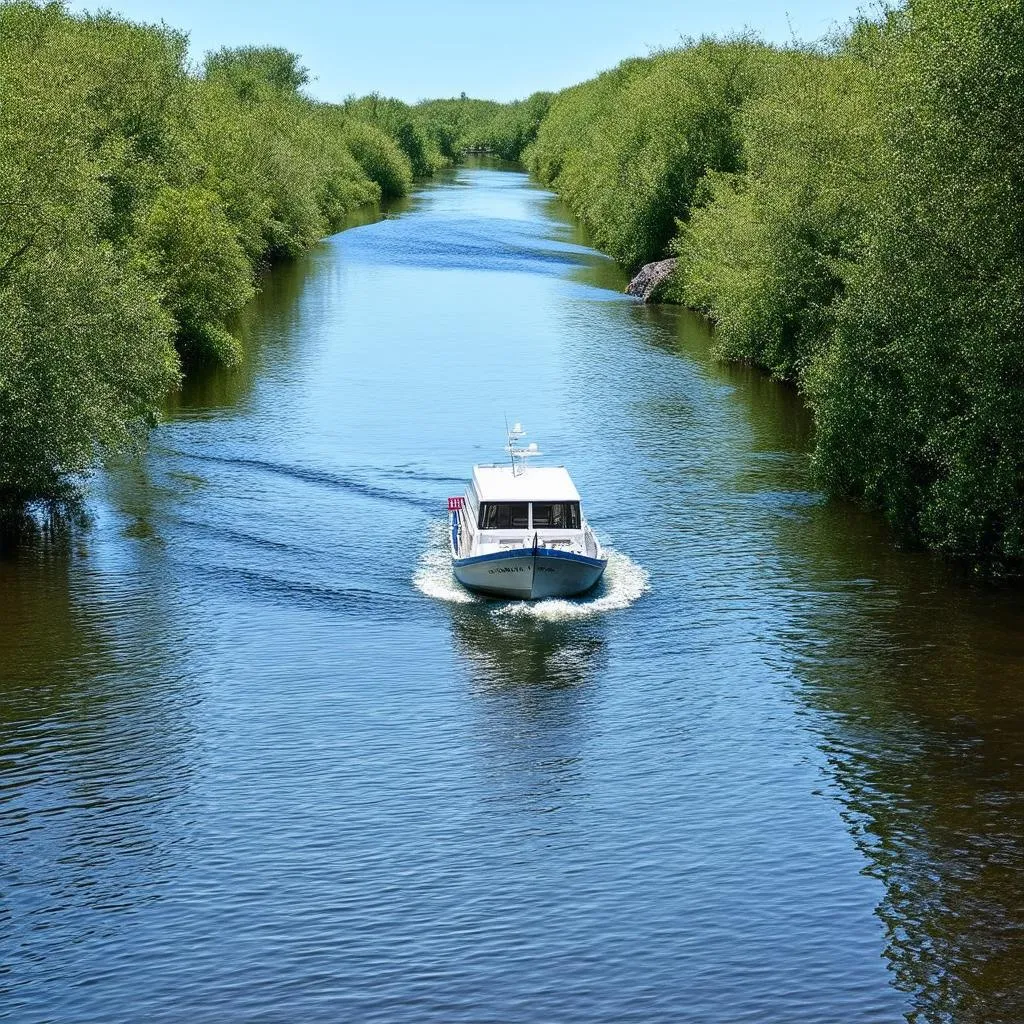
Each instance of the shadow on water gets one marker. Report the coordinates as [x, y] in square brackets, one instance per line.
[778, 419]
[597, 270]
[100, 810]
[47, 530]
[916, 679]
[265, 328]
[912, 680]
[68, 631]
[43, 633]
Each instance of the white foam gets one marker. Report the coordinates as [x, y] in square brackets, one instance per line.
[623, 584]
[434, 576]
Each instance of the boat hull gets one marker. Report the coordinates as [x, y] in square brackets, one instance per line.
[529, 574]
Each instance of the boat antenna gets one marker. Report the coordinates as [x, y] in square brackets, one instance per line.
[518, 454]
[509, 446]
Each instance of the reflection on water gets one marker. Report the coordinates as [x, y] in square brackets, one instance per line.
[529, 679]
[95, 761]
[509, 652]
[915, 677]
[261, 757]
[270, 325]
[924, 732]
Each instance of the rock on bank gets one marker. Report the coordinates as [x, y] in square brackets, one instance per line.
[649, 282]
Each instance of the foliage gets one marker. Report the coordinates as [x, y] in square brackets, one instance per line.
[456, 125]
[86, 357]
[400, 122]
[508, 131]
[918, 393]
[765, 250]
[202, 264]
[461, 125]
[852, 218]
[137, 200]
[85, 345]
[628, 150]
[379, 156]
[249, 70]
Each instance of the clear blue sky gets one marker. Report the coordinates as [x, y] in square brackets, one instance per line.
[492, 50]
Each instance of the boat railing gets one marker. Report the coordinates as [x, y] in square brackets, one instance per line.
[460, 526]
[462, 534]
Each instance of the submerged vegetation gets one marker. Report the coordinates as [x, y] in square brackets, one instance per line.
[851, 216]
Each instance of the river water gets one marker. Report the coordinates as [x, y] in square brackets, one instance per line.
[261, 759]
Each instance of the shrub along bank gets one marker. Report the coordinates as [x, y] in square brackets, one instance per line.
[851, 216]
[138, 198]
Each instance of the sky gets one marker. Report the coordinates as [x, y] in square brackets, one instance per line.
[502, 49]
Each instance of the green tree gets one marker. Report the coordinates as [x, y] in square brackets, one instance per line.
[918, 397]
[85, 345]
[766, 251]
[627, 151]
[252, 70]
[203, 268]
[136, 201]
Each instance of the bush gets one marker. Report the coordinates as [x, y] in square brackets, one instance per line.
[136, 201]
[628, 150]
[85, 361]
[380, 158]
[918, 395]
[766, 251]
[203, 266]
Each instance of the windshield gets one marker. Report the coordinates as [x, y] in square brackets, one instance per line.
[514, 515]
[557, 515]
[504, 515]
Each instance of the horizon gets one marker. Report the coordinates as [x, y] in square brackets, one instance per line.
[444, 51]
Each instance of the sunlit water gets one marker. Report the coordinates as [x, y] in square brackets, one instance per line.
[261, 758]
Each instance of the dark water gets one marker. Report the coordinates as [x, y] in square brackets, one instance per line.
[260, 760]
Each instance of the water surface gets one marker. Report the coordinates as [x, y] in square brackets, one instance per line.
[262, 759]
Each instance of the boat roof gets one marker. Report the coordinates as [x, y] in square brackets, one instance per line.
[536, 483]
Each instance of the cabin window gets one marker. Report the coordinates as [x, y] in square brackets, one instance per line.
[504, 515]
[556, 515]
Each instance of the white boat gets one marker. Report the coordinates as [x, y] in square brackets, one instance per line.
[520, 532]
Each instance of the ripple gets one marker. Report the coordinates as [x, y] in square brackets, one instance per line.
[434, 576]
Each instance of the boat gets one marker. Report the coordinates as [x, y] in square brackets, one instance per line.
[519, 530]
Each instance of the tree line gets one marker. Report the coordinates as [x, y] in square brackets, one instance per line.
[849, 214]
[851, 217]
[140, 197]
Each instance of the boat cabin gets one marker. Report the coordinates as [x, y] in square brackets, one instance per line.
[502, 506]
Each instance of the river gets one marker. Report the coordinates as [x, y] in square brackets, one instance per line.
[261, 759]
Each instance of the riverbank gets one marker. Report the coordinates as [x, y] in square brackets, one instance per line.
[848, 217]
[142, 200]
